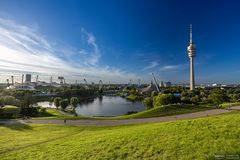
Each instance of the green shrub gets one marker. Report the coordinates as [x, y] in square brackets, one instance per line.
[216, 98]
[148, 102]
[163, 99]
[11, 111]
[42, 109]
[154, 93]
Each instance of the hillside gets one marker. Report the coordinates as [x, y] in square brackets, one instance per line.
[188, 139]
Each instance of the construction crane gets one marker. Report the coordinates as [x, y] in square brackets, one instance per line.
[155, 82]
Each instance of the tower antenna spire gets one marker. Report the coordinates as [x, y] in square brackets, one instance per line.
[191, 41]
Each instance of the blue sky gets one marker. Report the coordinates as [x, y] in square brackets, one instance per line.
[115, 40]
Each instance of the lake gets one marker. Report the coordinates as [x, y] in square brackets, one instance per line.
[104, 106]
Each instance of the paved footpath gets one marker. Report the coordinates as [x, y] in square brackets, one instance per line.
[91, 122]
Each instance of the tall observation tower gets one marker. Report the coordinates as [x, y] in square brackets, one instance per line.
[191, 54]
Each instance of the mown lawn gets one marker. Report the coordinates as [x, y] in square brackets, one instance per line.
[189, 139]
[230, 104]
[165, 111]
[154, 112]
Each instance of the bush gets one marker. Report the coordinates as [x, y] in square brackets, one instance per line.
[10, 111]
[148, 102]
[132, 97]
[185, 100]
[154, 93]
[42, 109]
[195, 99]
[163, 99]
[29, 111]
[216, 98]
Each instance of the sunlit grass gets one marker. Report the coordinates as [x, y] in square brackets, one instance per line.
[188, 139]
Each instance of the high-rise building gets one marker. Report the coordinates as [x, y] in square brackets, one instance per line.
[28, 78]
[191, 54]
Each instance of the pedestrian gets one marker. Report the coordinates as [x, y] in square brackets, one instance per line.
[65, 121]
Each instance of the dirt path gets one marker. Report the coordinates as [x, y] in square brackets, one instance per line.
[127, 121]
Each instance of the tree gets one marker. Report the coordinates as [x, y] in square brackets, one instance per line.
[195, 99]
[133, 91]
[235, 97]
[51, 99]
[216, 98]
[74, 101]
[57, 101]
[154, 93]
[163, 99]
[27, 100]
[148, 102]
[185, 99]
[64, 103]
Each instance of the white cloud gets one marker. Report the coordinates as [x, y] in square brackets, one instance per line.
[151, 65]
[25, 50]
[172, 67]
[95, 55]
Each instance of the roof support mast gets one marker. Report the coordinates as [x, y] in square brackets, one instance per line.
[156, 83]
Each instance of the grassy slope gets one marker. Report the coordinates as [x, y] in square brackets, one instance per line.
[164, 111]
[189, 139]
[155, 112]
[51, 113]
[230, 104]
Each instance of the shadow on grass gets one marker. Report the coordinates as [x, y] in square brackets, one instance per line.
[225, 156]
[45, 114]
[17, 126]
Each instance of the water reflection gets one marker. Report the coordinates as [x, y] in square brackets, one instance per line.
[109, 106]
[104, 106]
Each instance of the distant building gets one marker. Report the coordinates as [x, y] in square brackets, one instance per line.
[148, 89]
[168, 84]
[161, 84]
[216, 85]
[28, 78]
[18, 86]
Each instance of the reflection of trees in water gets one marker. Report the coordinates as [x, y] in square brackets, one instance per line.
[100, 98]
